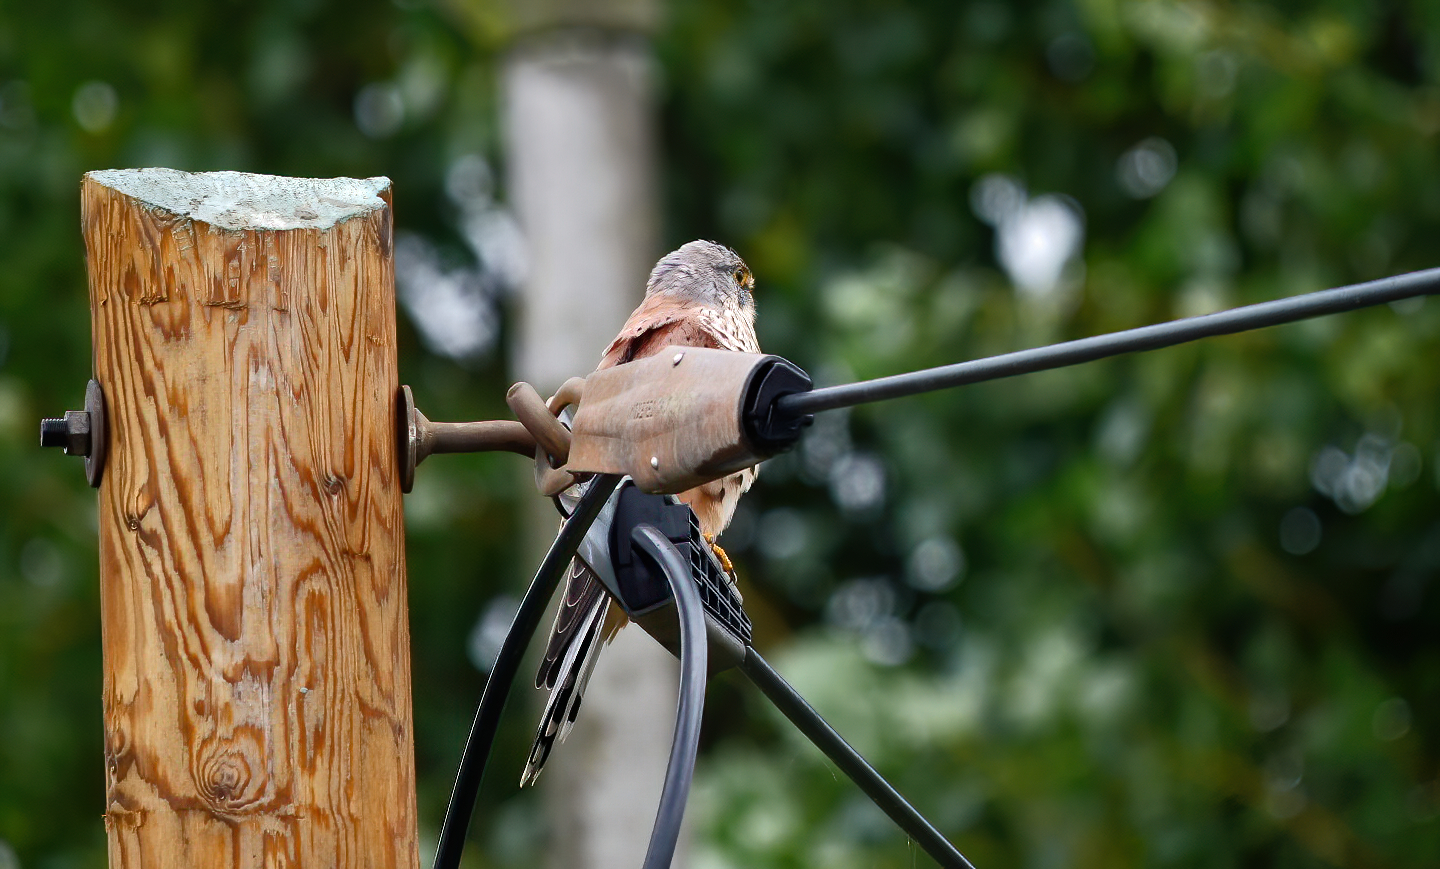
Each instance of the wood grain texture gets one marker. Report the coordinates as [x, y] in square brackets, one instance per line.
[256, 646]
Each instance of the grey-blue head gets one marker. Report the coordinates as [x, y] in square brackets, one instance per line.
[705, 272]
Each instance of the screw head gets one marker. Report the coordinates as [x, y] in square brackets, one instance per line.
[655, 462]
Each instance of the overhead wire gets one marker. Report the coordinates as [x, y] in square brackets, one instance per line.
[1153, 337]
[850, 761]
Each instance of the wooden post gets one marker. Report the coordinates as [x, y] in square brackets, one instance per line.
[257, 666]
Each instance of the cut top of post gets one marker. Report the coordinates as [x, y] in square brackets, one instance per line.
[245, 201]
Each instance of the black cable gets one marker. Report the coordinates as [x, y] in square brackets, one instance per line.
[693, 663]
[1257, 316]
[809, 722]
[507, 664]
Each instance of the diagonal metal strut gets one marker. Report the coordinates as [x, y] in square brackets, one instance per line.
[1273, 313]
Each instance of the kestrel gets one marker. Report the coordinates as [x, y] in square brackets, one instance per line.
[697, 296]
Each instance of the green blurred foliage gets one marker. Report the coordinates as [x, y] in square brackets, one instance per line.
[1171, 609]
[1150, 638]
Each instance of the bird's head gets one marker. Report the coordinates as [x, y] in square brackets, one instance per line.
[705, 272]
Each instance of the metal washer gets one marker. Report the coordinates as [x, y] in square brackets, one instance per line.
[95, 406]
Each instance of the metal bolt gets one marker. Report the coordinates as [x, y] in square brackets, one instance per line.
[81, 432]
[655, 462]
[72, 433]
[677, 358]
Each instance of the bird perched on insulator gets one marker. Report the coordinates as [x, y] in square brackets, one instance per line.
[697, 296]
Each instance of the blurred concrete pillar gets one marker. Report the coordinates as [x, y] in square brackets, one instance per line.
[581, 160]
[580, 152]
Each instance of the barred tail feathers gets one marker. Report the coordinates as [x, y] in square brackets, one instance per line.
[568, 676]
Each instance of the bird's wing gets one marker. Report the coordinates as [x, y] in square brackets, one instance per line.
[661, 321]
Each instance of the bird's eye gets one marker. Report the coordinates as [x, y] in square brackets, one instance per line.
[742, 276]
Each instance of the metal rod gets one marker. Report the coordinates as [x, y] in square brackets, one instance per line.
[809, 722]
[691, 705]
[481, 437]
[507, 664]
[1273, 313]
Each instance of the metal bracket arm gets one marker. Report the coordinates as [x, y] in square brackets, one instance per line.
[670, 422]
[684, 417]
[418, 437]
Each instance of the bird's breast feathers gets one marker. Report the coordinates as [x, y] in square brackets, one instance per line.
[731, 329]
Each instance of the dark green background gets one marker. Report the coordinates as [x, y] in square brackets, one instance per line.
[1131, 669]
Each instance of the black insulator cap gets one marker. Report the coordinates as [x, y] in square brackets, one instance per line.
[768, 430]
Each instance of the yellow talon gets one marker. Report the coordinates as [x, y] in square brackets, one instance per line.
[720, 554]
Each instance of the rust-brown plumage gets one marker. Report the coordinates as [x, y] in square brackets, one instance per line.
[697, 296]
